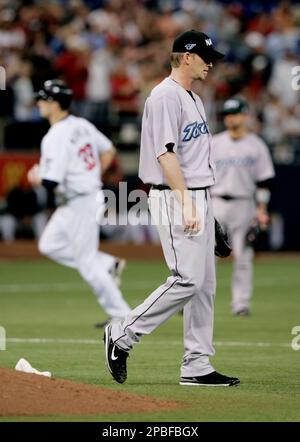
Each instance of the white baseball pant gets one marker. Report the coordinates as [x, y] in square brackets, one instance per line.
[71, 238]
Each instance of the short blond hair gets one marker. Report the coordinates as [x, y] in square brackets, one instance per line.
[175, 59]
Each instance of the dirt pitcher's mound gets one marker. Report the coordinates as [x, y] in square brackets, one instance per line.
[23, 394]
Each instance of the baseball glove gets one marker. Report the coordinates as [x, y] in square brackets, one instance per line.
[222, 246]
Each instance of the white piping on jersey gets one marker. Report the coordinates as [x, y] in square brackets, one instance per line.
[205, 123]
[208, 134]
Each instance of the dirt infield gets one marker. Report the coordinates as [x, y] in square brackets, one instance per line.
[23, 394]
[23, 249]
[27, 249]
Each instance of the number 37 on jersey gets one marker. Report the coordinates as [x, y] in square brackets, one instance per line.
[87, 155]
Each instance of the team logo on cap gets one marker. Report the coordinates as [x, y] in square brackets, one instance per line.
[231, 104]
[190, 46]
[208, 42]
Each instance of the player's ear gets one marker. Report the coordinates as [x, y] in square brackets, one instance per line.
[187, 57]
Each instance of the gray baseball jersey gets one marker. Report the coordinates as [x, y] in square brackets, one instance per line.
[240, 164]
[70, 155]
[174, 117]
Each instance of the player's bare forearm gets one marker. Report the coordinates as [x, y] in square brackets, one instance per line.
[173, 174]
[106, 158]
[175, 180]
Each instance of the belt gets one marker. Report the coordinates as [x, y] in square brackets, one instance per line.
[62, 200]
[164, 187]
[231, 198]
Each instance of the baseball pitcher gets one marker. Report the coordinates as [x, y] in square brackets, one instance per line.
[176, 160]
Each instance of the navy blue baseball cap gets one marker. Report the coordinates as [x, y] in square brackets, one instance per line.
[197, 43]
[235, 106]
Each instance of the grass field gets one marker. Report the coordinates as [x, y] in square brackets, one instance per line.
[41, 300]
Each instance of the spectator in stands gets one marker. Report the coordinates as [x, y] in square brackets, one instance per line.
[72, 64]
[23, 91]
[112, 52]
[24, 213]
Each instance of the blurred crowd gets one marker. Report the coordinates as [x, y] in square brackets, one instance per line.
[112, 52]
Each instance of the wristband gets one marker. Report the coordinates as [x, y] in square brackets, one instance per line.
[263, 196]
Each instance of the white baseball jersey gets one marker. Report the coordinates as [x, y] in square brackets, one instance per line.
[240, 164]
[70, 156]
[173, 116]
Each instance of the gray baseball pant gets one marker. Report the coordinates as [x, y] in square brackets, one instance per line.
[236, 216]
[192, 285]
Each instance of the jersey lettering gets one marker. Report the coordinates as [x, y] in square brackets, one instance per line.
[86, 153]
[247, 161]
[194, 130]
[79, 133]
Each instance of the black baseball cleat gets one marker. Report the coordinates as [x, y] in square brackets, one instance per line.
[102, 324]
[213, 379]
[243, 312]
[115, 357]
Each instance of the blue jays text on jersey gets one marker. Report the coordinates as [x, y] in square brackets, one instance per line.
[246, 161]
[194, 130]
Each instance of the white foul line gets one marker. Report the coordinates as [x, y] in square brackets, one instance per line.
[64, 287]
[98, 341]
[58, 287]
[80, 286]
